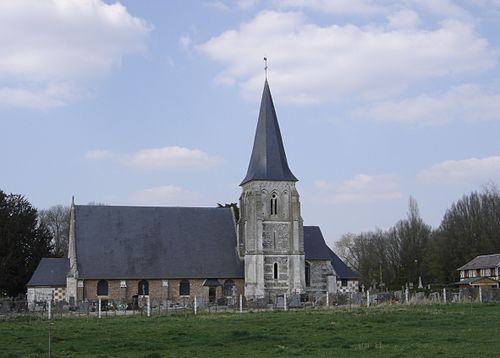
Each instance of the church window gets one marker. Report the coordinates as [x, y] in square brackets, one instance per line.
[143, 288]
[308, 274]
[274, 204]
[184, 288]
[274, 239]
[344, 283]
[102, 288]
[275, 271]
[228, 288]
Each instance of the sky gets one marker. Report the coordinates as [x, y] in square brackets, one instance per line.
[156, 102]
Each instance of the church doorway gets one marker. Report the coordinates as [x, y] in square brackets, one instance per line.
[212, 294]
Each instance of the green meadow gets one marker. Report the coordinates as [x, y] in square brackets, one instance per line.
[458, 330]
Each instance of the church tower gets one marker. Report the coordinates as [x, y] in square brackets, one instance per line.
[270, 228]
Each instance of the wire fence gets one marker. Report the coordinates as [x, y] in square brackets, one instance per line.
[150, 306]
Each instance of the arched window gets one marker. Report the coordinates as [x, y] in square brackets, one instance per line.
[184, 288]
[275, 271]
[228, 288]
[102, 288]
[308, 274]
[274, 204]
[143, 288]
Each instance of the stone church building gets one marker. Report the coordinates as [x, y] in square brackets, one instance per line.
[177, 253]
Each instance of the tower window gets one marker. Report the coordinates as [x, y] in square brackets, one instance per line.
[275, 271]
[274, 204]
[308, 274]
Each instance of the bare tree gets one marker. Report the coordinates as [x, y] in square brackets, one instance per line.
[56, 219]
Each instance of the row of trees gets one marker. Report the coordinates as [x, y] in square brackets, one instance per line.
[412, 249]
[26, 236]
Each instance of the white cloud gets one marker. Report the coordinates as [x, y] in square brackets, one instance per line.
[53, 95]
[166, 158]
[405, 19]
[217, 5]
[444, 8]
[174, 157]
[466, 102]
[247, 4]
[99, 154]
[310, 63]
[168, 195]
[185, 41]
[475, 169]
[363, 7]
[64, 44]
[361, 189]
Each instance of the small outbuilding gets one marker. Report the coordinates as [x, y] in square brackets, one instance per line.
[48, 281]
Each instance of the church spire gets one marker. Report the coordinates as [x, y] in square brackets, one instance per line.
[268, 160]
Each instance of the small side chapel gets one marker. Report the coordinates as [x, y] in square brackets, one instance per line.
[176, 253]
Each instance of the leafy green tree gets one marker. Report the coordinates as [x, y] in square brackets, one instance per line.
[24, 240]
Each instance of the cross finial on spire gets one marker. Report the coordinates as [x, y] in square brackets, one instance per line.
[265, 66]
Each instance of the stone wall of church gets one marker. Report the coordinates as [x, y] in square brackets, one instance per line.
[271, 229]
[320, 270]
[124, 290]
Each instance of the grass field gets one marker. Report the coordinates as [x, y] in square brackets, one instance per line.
[465, 330]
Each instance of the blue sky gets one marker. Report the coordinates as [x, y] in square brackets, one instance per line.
[156, 102]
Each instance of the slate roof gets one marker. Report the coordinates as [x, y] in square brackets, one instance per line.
[314, 244]
[482, 261]
[50, 272]
[268, 160]
[115, 242]
[316, 248]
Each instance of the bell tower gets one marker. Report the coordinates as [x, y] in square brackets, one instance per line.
[270, 228]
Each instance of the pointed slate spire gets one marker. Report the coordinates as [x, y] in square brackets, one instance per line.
[268, 160]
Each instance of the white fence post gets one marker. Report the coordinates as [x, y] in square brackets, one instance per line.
[327, 299]
[50, 309]
[367, 298]
[480, 295]
[407, 298]
[149, 306]
[444, 295]
[241, 303]
[195, 305]
[284, 301]
[99, 314]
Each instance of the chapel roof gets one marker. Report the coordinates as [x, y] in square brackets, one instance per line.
[268, 160]
[316, 248]
[115, 242]
[50, 272]
[482, 261]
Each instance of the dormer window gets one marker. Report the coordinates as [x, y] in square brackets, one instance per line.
[274, 204]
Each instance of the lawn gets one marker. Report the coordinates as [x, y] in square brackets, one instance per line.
[392, 331]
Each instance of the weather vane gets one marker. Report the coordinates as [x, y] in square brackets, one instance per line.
[265, 66]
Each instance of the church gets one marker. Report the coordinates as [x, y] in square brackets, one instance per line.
[260, 250]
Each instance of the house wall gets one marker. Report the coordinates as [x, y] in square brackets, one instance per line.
[351, 287]
[158, 289]
[484, 272]
[44, 294]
